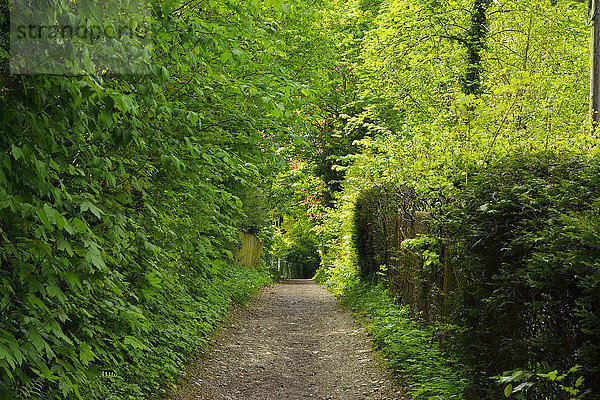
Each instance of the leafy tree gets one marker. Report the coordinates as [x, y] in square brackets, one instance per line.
[122, 198]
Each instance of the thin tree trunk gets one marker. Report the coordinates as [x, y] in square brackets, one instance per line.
[475, 43]
[594, 65]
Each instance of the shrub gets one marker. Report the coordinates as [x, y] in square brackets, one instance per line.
[525, 234]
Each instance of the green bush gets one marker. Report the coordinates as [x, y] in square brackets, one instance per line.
[525, 236]
[120, 346]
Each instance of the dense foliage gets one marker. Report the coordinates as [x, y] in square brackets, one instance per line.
[122, 197]
[528, 263]
[319, 127]
[475, 105]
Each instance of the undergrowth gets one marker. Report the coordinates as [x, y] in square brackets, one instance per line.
[172, 322]
[411, 350]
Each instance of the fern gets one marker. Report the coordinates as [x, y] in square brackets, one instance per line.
[32, 389]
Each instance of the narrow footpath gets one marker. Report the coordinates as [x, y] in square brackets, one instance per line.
[291, 342]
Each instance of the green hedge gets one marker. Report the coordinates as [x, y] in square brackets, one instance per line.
[525, 232]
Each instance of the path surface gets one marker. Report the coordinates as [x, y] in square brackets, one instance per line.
[290, 343]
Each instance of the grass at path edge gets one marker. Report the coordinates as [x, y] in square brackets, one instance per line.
[409, 348]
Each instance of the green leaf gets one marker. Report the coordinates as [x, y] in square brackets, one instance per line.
[86, 355]
[8, 369]
[5, 200]
[46, 372]
[55, 291]
[64, 245]
[79, 225]
[73, 279]
[153, 279]
[61, 222]
[508, 390]
[575, 368]
[34, 337]
[86, 205]
[226, 56]
[524, 385]
[124, 103]
[41, 213]
[110, 178]
[94, 257]
[16, 152]
[550, 375]
[33, 300]
[50, 212]
[134, 343]
[277, 113]
[5, 354]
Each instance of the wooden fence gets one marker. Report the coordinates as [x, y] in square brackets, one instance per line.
[384, 217]
[250, 251]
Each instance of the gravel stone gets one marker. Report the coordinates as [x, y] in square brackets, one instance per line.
[290, 342]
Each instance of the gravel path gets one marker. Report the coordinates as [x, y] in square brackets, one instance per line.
[290, 342]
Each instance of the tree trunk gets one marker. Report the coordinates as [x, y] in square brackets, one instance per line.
[594, 65]
[475, 43]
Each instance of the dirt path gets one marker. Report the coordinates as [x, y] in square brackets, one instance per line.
[290, 342]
